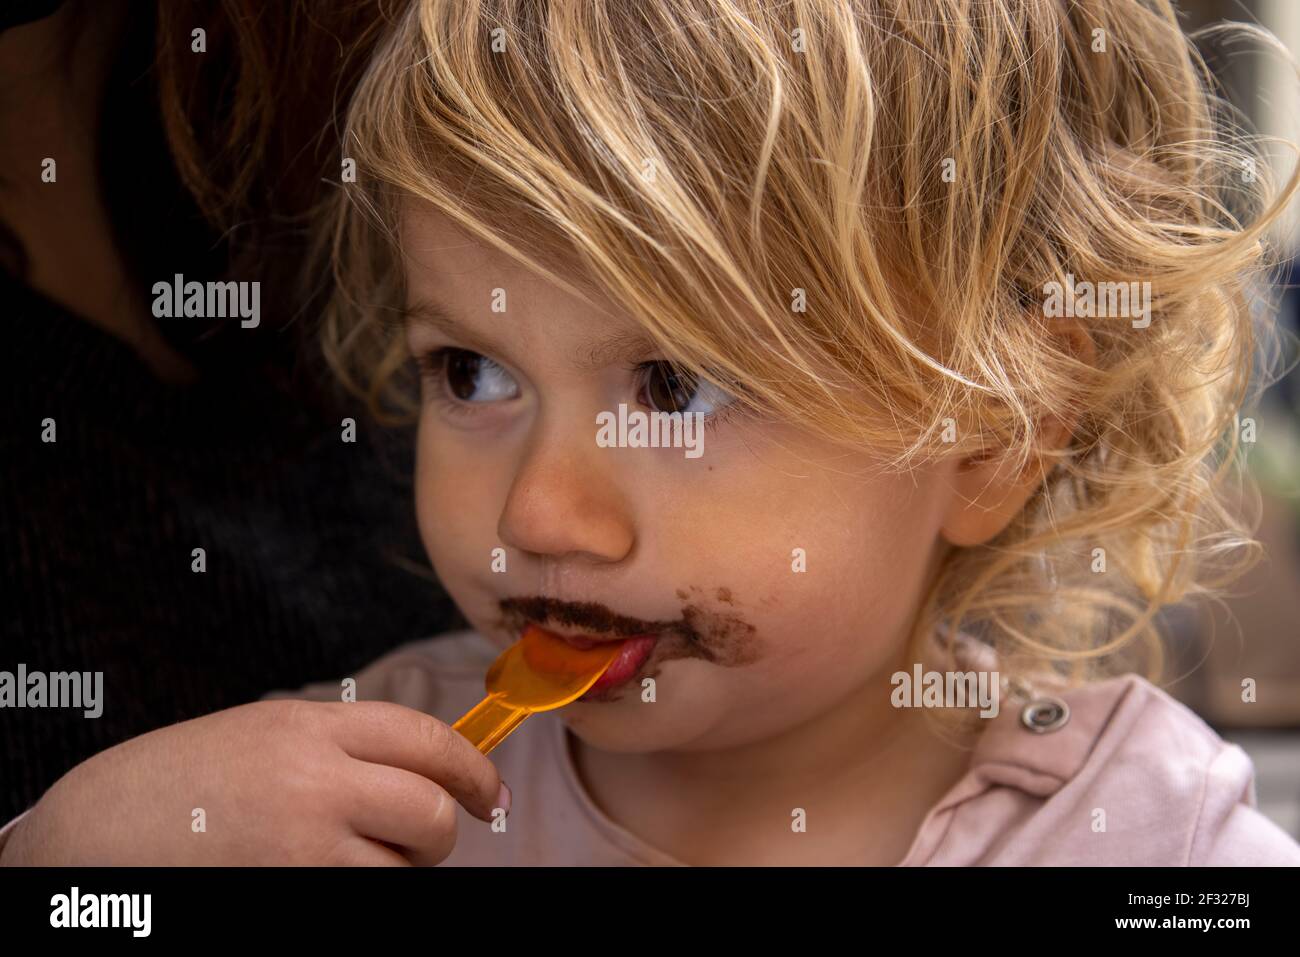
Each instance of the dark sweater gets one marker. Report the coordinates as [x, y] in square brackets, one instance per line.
[301, 533]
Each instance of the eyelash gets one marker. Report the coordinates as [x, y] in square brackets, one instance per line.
[432, 366]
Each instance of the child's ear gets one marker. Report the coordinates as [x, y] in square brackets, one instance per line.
[988, 491]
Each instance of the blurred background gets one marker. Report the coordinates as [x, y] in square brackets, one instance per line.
[1256, 632]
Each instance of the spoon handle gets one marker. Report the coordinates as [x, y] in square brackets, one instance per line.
[488, 722]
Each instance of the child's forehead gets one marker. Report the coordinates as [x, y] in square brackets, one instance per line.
[454, 277]
[432, 240]
[435, 244]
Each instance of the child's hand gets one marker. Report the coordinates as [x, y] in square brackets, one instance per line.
[278, 782]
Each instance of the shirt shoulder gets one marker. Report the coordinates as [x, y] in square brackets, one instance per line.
[1133, 777]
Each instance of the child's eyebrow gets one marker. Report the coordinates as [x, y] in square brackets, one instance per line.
[429, 313]
[623, 346]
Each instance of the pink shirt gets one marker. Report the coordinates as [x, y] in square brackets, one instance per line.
[1172, 791]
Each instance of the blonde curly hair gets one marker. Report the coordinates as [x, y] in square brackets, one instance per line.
[917, 171]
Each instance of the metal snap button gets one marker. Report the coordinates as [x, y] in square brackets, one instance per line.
[1045, 714]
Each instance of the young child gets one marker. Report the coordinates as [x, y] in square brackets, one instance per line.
[959, 295]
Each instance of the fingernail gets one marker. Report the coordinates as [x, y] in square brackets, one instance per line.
[503, 798]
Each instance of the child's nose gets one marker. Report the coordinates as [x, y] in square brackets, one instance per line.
[563, 503]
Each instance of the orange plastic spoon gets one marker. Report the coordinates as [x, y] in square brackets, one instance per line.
[539, 672]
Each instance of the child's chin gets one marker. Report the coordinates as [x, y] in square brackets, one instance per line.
[613, 727]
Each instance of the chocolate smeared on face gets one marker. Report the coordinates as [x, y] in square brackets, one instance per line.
[586, 615]
[720, 638]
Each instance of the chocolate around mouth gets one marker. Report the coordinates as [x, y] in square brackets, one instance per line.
[585, 615]
[720, 638]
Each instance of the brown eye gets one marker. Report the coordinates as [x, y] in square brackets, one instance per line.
[668, 388]
[462, 373]
[471, 377]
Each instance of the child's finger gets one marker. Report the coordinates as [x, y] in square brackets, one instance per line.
[400, 807]
[384, 733]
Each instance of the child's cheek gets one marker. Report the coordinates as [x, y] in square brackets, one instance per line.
[828, 590]
[457, 525]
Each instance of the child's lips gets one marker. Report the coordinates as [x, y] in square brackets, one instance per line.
[719, 637]
[631, 656]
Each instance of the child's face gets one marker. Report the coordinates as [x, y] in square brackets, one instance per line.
[508, 459]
